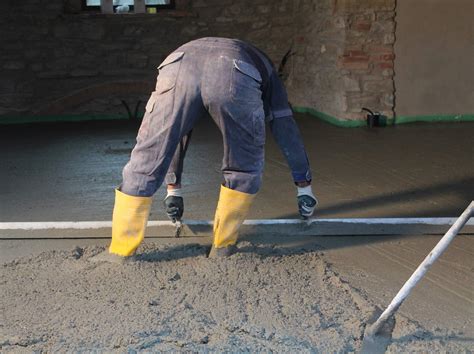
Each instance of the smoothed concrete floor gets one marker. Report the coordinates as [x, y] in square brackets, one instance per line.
[67, 172]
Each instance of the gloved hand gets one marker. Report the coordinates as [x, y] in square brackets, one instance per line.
[174, 205]
[307, 202]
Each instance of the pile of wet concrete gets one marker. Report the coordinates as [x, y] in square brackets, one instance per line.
[173, 298]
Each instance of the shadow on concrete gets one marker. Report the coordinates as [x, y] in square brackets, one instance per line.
[304, 244]
[461, 187]
[273, 250]
[426, 335]
[265, 247]
[174, 252]
[334, 242]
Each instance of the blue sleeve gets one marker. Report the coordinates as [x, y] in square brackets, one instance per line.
[285, 130]
[288, 138]
[278, 98]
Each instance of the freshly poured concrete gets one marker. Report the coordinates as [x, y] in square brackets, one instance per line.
[282, 294]
[55, 173]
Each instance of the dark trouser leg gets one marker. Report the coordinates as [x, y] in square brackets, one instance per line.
[175, 171]
[234, 101]
[243, 130]
[170, 114]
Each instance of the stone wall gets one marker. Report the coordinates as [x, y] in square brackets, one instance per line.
[50, 54]
[368, 59]
[314, 80]
[344, 57]
[55, 58]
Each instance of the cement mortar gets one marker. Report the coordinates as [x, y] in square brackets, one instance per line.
[172, 298]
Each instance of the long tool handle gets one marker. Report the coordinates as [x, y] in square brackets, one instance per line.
[422, 269]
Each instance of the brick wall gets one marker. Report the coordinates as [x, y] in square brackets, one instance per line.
[55, 60]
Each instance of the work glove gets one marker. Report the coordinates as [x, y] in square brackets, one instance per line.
[307, 202]
[174, 205]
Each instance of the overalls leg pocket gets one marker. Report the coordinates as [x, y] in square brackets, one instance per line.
[246, 82]
[246, 94]
[168, 72]
[153, 136]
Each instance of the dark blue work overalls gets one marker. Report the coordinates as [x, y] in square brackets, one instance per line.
[237, 85]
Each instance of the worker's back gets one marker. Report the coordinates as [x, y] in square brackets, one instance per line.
[234, 69]
[243, 49]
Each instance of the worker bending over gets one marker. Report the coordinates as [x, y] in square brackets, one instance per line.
[238, 86]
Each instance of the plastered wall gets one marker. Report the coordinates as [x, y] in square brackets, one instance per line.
[434, 66]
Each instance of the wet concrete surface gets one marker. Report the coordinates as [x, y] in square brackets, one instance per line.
[438, 316]
[172, 298]
[56, 172]
[67, 171]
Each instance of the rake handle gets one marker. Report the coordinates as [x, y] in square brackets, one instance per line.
[422, 269]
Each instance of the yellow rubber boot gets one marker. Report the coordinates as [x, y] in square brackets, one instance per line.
[128, 223]
[232, 209]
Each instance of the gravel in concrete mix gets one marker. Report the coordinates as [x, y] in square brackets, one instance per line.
[172, 298]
